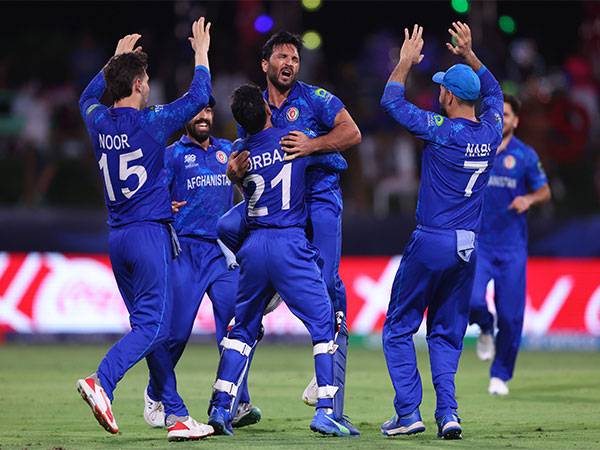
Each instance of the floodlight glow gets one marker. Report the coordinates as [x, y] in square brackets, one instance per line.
[311, 40]
[311, 5]
[263, 23]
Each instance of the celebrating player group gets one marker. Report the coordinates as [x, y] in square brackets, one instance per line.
[175, 233]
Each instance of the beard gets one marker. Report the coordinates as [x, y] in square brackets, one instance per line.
[507, 131]
[273, 77]
[199, 136]
[443, 111]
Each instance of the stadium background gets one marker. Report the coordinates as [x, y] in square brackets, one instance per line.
[54, 274]
[59, 306]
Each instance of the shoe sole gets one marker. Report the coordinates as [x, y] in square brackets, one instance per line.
[329, 432]
[406, 433]
[95, 410]
[249, 419]
[451, 434]
[187, 438]
[219, 428]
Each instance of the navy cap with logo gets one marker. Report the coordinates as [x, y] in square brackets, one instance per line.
[461, 80]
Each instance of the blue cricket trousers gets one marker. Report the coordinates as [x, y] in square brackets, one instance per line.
[200, 268]
[431, 276]
[507, 267]
[141, 258]
[278, 260]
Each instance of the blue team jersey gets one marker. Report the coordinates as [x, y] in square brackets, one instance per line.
[274, 189]
[457, 156]
[130, 145]
[517, 171]
[312, 110]
[198, 177]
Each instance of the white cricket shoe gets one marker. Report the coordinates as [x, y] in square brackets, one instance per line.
[188, 430]
[93, 394]
[497, 387]
[310, 396]
[154, 412]
[486, 348]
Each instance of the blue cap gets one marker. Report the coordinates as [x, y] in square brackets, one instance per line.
[461, 80]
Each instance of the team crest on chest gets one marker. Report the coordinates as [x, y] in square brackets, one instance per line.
[292, 114]
[221, 156]
[189, 160]
[509, 162]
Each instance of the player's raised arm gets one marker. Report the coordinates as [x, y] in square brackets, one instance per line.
[492, 100]
[90, 97]
[424, 124]
[163, 120]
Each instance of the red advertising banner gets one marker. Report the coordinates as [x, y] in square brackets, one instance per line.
[57, 293]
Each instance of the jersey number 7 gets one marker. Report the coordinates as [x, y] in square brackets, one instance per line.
[479, 167]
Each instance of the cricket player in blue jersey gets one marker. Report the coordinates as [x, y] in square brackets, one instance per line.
[308, 110]
[438, 265]
[195, 169]
[275, 257]
[517, 182]
[129, 142]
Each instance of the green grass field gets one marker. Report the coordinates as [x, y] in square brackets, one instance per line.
[554, 402]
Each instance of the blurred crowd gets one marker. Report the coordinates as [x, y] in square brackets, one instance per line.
[46, 157]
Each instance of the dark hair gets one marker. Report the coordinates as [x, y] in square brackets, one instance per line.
[248, 108]
[466, 102]
[122, 70]
[281, 38]
[514, 103]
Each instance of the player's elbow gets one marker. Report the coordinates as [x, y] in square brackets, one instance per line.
[386, 102]
[355, 136]
[546, 193]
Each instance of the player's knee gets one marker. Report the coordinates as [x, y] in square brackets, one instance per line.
[243, 335]
[161, 335]
[177, 339]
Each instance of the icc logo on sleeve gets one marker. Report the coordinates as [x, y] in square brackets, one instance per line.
[221, 157]
[292, 114]
[509, 162]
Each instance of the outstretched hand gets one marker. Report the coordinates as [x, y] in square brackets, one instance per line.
[200, 41]
[462, 35]
[127, 44]
[412, 46]
[520, 204]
